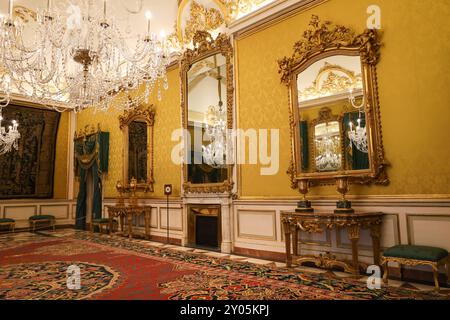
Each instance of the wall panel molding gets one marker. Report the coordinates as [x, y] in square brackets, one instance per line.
[428, 229]
[271, 214]
[60, 211]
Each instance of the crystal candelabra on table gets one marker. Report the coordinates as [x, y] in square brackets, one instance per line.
[80, 57]
[8, 137]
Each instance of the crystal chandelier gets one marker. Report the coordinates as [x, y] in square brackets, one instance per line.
[215, 153]
[8, 138]
[358, 134]
[77, 55]
[328, 159]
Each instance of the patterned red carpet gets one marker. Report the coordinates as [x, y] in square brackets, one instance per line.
[35, 267]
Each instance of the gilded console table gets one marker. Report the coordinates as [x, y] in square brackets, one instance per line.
[295, 222]
[128, 212]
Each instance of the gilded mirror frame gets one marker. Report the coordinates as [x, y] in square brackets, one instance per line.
[322, 40]
[147, 115]
[204, 46]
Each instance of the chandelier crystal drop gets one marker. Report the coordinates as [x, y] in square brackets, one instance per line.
[78, 56]
[8, 137]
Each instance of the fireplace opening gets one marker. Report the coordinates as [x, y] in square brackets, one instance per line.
[204, 227]
[206, 231]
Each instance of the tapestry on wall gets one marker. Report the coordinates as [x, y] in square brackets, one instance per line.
[28, 172]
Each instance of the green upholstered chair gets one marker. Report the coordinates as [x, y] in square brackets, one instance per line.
[11, 223]
[412, 255]
[33, 220]
[102, 223]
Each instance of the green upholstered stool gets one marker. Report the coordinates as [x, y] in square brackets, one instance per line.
[33, 220]
[11, 223]
[102, 223]
[412, 255]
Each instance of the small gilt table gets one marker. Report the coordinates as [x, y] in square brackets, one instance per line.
[129, 212]
[293, 222]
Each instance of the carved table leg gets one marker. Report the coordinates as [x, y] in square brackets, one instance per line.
[385, 264]
[375, 233]
[121, 223]
[294, 232]
[436, 277]
[111, 218]
[130, 226]
[353, 235]
[147, 224]
[287, 238]
[447, 268]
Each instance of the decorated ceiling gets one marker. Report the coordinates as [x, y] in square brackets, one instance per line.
[178, 19]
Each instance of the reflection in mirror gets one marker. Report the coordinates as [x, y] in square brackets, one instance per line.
[327, 142]
[331, 106]
[137, 151]
[137, 129]
[207, 120]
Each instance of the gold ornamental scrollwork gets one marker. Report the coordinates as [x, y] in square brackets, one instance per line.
[141, 112]
[324, 39]
[200, 18]
[324, 36]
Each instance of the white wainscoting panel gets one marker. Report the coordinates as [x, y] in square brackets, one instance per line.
[257, 224]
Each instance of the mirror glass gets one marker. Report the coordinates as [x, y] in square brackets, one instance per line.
[327, 143]
[331, 106]
[137, 151]
[207, 120]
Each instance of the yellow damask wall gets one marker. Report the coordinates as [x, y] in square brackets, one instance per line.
[62, 144]
[167, 119]
[413, 82]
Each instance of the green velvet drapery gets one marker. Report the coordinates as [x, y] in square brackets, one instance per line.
[356, 160]
[91, 155]
[304, 144]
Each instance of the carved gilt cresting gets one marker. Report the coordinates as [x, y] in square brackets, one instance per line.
[145, 114]
[321, 40]
[207, 17]
[205, 46]
[294, 222]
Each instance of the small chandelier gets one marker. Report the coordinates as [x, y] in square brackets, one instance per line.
[357, 134]
[8, 138]
[80, 57]
[328, 159]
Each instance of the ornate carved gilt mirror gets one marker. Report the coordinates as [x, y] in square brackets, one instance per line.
[137, 129]
[334, 109]
[207, 114]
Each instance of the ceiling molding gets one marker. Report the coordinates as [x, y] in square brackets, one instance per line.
[269, 15]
